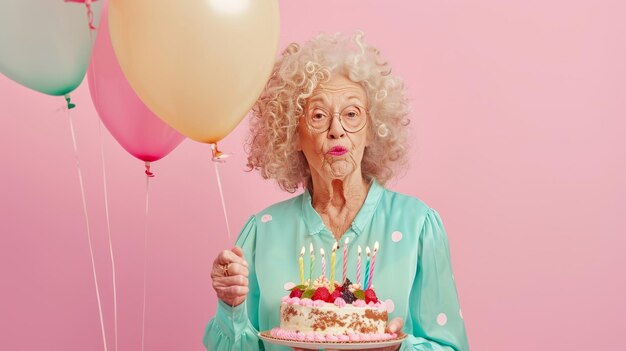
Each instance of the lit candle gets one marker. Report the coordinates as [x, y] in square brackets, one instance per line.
[323, 263]
[369, 284]
[367, 266]
[345, 259]
[301, 263]
[358, 266]
[311, 265]
[333, 259]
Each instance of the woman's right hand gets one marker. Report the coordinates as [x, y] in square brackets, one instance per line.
[230, 276]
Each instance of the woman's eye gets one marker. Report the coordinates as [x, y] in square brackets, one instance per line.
[318, 115]
[352, 114]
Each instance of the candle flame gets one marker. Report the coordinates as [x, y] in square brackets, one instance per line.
[347, 241]
[367, 251]
[311, 249]
[322, 252]
[359, 250]
[335, 246]
[376, 246]
[302, 252]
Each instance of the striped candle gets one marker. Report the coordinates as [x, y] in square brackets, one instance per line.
[367, 266]
[333, 261]
[323, 262]
[311, 265]
[369, 284]
[345, 259]
[358, 266]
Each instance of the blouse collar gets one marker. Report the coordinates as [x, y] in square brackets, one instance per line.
[314, 222]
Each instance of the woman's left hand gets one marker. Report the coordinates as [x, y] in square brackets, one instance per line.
[394, 326]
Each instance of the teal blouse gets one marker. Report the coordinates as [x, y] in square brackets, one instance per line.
[412, 269]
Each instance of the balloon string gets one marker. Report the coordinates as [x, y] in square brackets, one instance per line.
[89, 11]
[145, 265]
[106, 208]
[106, 202]
[90, 15]
[82, 192]
[218, 157]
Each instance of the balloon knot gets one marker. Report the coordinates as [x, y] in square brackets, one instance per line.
[70, 105]
[148, 173]
[218, 156]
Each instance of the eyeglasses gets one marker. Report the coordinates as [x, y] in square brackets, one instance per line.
[352, 118]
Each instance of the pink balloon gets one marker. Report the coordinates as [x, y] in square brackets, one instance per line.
[130, 122]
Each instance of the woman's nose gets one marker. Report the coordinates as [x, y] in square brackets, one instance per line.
[336, 130]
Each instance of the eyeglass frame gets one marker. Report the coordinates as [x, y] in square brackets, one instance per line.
[338, 116]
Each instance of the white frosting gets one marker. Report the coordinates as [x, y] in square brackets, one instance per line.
[306, 316]
[320, 282]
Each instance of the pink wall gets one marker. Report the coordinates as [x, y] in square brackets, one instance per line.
[518, 125]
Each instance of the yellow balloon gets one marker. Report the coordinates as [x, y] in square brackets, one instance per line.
[197, 64]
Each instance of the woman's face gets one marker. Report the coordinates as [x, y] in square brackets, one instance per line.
[332, 151]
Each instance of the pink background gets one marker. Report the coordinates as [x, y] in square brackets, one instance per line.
[518, 122]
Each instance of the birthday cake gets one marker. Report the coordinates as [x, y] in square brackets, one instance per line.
[325, 311]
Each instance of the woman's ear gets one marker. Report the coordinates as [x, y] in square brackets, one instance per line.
[369, 136]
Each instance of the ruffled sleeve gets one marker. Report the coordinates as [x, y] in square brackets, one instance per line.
[436, 319]
[235, 328]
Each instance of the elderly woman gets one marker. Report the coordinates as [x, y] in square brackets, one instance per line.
[333, 120]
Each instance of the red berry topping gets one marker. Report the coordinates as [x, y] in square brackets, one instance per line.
[338, 287]
[370, 295]
[321, 294]
[337, 293]
[296, 293]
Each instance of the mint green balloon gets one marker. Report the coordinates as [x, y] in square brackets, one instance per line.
[45, 44]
